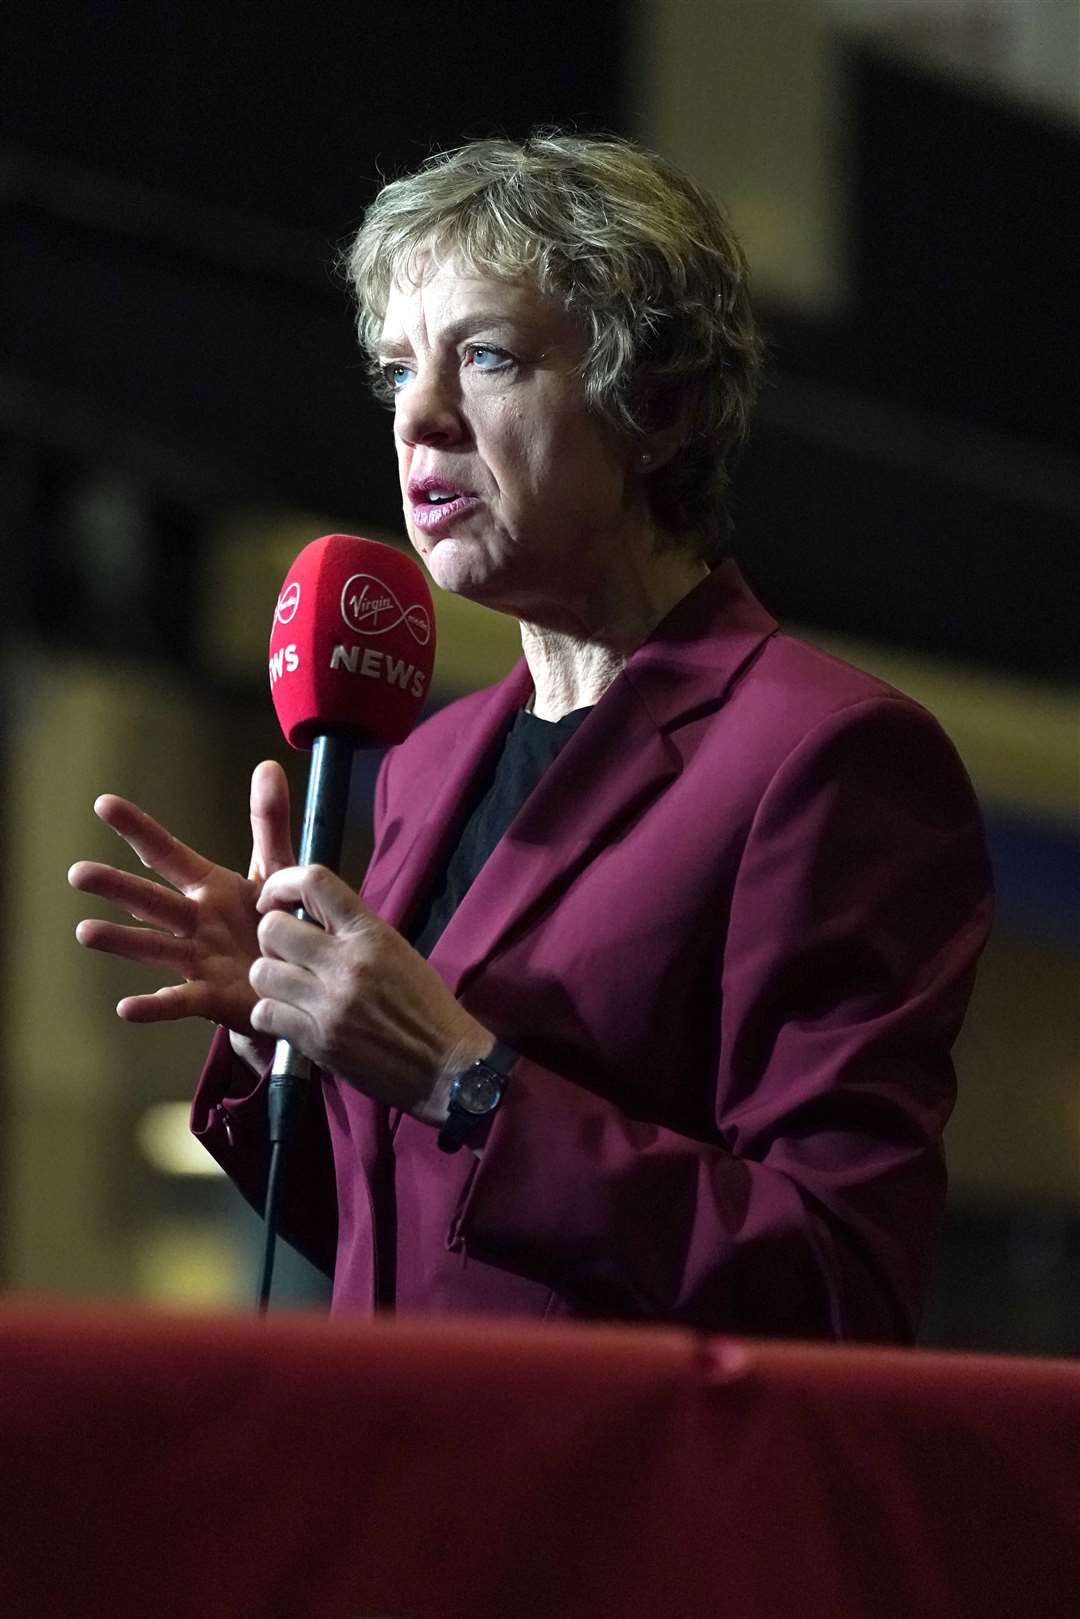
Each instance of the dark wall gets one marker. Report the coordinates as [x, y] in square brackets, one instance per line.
[176, 181]
[918, 478]
[290, 112]
[965, 256]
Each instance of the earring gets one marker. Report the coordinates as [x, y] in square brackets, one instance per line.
[645, 457]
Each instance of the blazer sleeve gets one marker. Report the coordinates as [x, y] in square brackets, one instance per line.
[228, 1116]
[861, 903]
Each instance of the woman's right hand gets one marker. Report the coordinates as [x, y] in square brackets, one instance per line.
[202, 929]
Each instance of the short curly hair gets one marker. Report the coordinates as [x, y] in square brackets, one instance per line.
[634, 249]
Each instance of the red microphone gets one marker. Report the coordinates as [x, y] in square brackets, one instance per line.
[352, 648]
[352, 644]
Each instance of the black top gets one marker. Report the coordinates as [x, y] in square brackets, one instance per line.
[530, 746]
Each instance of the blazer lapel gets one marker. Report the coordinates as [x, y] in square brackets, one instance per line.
[610, 769]
[615, 764]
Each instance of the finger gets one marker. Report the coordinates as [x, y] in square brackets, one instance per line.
[283, 937]
[152, 843]
[144, 945]
[324, 897]
[271, 838]
[147, 901]
[165, 1005]
[285, 1022]
[282, 981]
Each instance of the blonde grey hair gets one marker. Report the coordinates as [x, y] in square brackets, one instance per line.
[633, 248]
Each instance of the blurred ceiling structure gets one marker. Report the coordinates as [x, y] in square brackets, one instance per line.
[1028, 50]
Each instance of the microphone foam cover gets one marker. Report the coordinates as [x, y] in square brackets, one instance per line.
[352, 644]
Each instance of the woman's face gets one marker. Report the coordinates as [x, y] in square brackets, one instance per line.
[514, 495]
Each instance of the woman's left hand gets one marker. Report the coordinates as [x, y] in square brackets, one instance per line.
[356, 998]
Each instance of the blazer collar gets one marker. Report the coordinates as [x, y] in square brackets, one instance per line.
[696, 652]
[617, 761]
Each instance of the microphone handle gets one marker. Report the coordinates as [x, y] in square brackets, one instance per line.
[321, 838]
[327, 800]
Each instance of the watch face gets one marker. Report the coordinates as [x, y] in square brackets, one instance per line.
[476, 1092]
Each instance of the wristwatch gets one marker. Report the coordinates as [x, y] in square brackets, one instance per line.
[475, 1094]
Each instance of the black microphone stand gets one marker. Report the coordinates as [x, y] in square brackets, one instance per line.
[290, 1074]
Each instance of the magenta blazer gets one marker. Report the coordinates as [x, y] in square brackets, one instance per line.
[732, 934]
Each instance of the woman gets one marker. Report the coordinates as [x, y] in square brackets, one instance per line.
[702, 905]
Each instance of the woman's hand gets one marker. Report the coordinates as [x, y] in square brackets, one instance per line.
[355, 997]
[204, 928]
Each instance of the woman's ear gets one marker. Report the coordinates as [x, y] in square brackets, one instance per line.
[666, 425]
[656, 449]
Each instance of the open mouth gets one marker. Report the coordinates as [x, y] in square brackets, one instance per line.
[439, 497]
[434, 505]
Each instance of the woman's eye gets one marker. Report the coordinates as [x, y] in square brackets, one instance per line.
[485, 358]
[397, 373]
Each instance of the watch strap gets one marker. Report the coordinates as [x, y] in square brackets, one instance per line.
[461, 1123]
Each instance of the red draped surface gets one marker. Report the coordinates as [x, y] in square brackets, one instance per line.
[161, 1467]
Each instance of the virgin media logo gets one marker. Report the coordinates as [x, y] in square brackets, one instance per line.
[370, 608]
[287, 603]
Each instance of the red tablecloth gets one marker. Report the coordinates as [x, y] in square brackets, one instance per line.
[171, 1467]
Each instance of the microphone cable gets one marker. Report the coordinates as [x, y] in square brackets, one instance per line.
[291, 1072]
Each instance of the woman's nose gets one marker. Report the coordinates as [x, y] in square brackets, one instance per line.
[428, 410]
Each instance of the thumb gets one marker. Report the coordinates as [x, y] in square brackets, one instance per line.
[271, 837]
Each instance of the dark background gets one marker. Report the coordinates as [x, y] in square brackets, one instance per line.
[175, 182]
